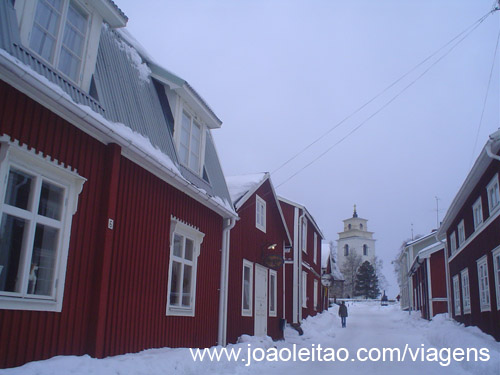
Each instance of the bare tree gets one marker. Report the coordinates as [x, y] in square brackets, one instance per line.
[378, 264]
[349, 270]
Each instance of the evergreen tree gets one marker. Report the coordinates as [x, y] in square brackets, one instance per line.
[366, 281]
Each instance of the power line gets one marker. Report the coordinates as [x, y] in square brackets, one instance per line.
[390, 101]
[486, 96]
[474, 25]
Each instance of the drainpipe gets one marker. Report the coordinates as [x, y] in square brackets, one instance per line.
[299, 268]
[224, 270]
[489, 152]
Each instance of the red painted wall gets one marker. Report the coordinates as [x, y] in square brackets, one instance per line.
[132, 307]
[250, 243]
[482, 245]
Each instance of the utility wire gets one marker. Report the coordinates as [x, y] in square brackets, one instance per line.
[390, 101]
[474, 25]
[485, 97]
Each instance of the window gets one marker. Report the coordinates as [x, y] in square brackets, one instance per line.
[315, 254]
[361, 226]
[190, 142]
[304, 289]
[260, 213]
[59, 34]
[365, 250]
[496, 267]
[484, 291]
[493, 194]
[477, 212]
[37, 201]
[273, 293]
[184, 251]
[465, 290]
[349, 226]
[453, 243]
[461, 233]
[247, 288]
[346, 250]
[315, 297]
[304, 235]
[456, 296]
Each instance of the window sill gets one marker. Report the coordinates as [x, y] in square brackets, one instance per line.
[9, 303]
[172, 311]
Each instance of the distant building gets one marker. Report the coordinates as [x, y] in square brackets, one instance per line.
[355, 239]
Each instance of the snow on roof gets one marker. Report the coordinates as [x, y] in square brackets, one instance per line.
[240, 185]
[325, 254]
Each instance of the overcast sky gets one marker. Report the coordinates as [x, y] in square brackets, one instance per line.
[280, 73]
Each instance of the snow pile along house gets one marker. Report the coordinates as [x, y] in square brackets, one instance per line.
[114, 210]
[472, 231]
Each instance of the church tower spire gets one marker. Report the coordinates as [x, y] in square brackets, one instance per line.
[355, 214]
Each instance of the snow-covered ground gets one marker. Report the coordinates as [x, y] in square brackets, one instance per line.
[369, 326]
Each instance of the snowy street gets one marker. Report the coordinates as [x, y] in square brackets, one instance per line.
[368, 326]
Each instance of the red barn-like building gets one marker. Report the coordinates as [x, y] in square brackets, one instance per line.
[472, 231]
[114, 212]
[258, 244]
[304, 294]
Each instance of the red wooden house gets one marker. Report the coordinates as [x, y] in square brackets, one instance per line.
[258, 244]
[303, 289]
[113, 207]
[472, 230]
[428, 273]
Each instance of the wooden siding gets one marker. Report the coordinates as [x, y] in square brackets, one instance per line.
[116, 281]
[250, 243]
[481, 245]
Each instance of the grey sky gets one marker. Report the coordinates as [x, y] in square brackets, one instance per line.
[279, 73]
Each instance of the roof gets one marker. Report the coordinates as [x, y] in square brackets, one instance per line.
[242, 187]
[129, 110]
[478, 169]
[309, 216]
[327, 256]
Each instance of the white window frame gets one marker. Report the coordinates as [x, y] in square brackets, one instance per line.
[187, 232]
[249, 311]
[492, 190]
[456, 296]
[273, 293]
[42, 169]
[496, 267]
[461, 233]
[304, 289]
[315, 254]
[477, 213]
[260, 213]
[453, 243]
[483, 284]
[315, 297]
[303, 236]
[464, 275]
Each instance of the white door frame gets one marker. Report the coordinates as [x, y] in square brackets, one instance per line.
[261, 296]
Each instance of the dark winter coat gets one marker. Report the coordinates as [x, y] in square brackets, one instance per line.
[343, 311]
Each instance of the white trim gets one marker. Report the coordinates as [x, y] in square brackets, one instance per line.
[187, 232]
[464, 276]
[429, 287]
[247, 312]
[43, 169]
[260, 213]
[453, 243]
[315, 296]
[496, 207]
[315, 248]
[485, 305]
[456, 296]
[496, 267]
[304, 289]
[274, 286]
[477, 208]
[471, 238]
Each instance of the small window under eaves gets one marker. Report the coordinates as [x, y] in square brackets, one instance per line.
[93, 90]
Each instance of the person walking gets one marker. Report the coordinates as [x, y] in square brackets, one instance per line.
[343, 314]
